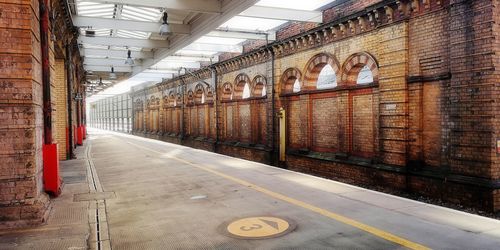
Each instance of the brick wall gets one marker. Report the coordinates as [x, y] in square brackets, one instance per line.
[22, 200]
[427, 123]
[60, 115]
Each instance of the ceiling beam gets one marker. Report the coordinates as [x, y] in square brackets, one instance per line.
[214, 47]
[125, 42]
[177, 64]
[183, 58]
[106, 62]
[283, 14]
[202, 6]
[115, 53]
[199, 27]
[118, 69]
[252, 35]
[117, 24]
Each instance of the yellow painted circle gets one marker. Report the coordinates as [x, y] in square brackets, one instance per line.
[258, 227]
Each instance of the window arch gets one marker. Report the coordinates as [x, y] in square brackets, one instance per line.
[199, 94]
[209, 97]
[172, 102]
[360, 68]
[321, 72]
[241, 86]
[290, 81]
[227, 91]
[190, 97]
[259, 86]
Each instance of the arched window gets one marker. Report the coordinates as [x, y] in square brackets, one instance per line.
[290, 81]
[203, 97]
[296, 86]
[241, 87]
[365, 76]
[246, 91]
[360, 68]
[326, 78]
[259, 86]
[227, 92]
[320, 72]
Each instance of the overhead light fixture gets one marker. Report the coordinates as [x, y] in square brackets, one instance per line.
[112, 75]
[129, 60]
[165, 28]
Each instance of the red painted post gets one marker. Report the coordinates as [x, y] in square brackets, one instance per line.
[51, 176]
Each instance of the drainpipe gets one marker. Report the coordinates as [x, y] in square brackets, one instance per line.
[216, 107]
[273, 94]
[47, 105]
[69, 81]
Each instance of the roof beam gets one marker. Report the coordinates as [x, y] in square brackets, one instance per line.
[202, 6]
[252, 35]
[283, 14]
[105, 62]
[182, 58]
[117, 24]
[214, 47]
[174, 64]
[118, 69]
[126, 42]
[115, 53]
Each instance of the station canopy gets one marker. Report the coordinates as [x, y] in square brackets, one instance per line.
[198, 32]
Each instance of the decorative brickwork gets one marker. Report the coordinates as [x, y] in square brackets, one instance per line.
[406, 101]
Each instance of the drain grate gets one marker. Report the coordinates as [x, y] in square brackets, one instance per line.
[94, 196]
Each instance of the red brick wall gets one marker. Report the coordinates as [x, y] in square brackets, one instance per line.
[22, 200]
[428, 123]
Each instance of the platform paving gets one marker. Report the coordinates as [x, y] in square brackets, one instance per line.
[144, 194]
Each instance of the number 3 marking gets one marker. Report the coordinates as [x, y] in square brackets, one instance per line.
[255, 227]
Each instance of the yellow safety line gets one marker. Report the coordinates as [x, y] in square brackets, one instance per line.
[373, 230]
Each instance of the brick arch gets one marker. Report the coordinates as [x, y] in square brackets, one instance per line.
[209, 97]
[139, 104]
[190, 97]
[227, 91]
[258, 84]
[166, 101]
[354, 64]
[153, 102]
[239, 85]
[314, 67]
[199, 91]
[171, 99]
[288, 79]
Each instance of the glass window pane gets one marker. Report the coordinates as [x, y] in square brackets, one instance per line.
[326, 78]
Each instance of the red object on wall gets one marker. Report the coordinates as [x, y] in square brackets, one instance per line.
[51, 175]
[79, 135]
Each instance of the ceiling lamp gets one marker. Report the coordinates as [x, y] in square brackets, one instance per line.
[165, 28]
[129, 60]
[112, 75]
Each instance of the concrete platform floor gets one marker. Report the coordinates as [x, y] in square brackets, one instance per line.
[144, 194]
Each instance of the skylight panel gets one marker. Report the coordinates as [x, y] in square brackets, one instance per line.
[132, 34]
[93, 9]
[252, 23]
[141, 13]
